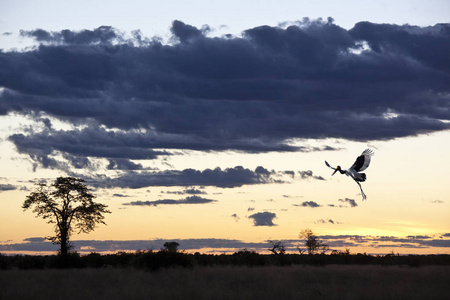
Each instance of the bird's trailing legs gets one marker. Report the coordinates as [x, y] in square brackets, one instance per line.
[364, 197]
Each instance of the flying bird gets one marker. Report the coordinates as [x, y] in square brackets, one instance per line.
[362, 162]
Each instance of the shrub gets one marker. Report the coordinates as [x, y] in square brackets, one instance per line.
[152, 261]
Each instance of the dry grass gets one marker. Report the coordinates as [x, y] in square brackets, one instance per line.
[296, 282]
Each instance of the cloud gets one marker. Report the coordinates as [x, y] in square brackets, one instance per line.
[193, 191]
[312, 204]
[123, 164]
[119, 147]
[190, 191]
[352, 202]
[322, 221]
[121, 195]
[375, 242]
[34, 239]
[7, 187]
[263, 219]
[186, 33]
[133, 245]
[101, 35]
[420, 237]
[309, 174]
[253, 93]
[235, 217]
[92, 141]
[187, 200]
[437, 201]
[227, 178]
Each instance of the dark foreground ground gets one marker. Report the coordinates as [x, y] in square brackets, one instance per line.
[230, 282]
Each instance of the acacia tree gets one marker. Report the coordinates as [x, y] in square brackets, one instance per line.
[277, 248]
[68, 204]
[312, 243]
[171, 247]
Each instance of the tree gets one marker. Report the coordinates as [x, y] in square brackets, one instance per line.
[68, 204]
[277, 248]
[171, 247]
[312, 243]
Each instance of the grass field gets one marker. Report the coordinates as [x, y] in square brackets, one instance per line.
[230, 282]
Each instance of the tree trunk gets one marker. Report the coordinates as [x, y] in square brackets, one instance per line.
[64, 244]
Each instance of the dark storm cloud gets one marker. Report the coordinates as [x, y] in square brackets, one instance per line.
[92, 141]
[263, 219]
[187, 200]
[116, 146]
[103, 34]
[428, 45]
[227, 178]
[254, 93]
[123, 164]
[186, 33]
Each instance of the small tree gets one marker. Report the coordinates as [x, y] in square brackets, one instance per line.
[277, 248]
[312, 243]
[171, 247]
[67, 204]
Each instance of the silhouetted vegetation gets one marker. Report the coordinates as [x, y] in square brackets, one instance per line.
[277, 248]
[312, 243]
[150, 260]
[245, 274]
[171, 246]
[68, 204]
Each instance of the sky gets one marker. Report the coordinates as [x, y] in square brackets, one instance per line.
[208, 122]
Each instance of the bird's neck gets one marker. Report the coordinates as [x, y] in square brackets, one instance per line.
[341, 171]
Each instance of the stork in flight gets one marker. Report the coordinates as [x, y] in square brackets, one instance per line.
[362, 162]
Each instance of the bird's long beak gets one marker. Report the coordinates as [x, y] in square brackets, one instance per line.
[334, 171]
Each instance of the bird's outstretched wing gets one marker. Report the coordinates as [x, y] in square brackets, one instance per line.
[363, 161]
[328, 165]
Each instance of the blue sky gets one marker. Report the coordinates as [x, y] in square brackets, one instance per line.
[211, 121]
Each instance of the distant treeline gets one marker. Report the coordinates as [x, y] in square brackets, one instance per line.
[154, 260]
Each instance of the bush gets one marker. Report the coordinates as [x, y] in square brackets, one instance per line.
[152, 261]
[248, 258]
[5, 263]
[93, 260]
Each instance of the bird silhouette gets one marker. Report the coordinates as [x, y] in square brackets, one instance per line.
[362, 162]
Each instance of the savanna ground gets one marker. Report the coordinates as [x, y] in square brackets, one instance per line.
[230, 282]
